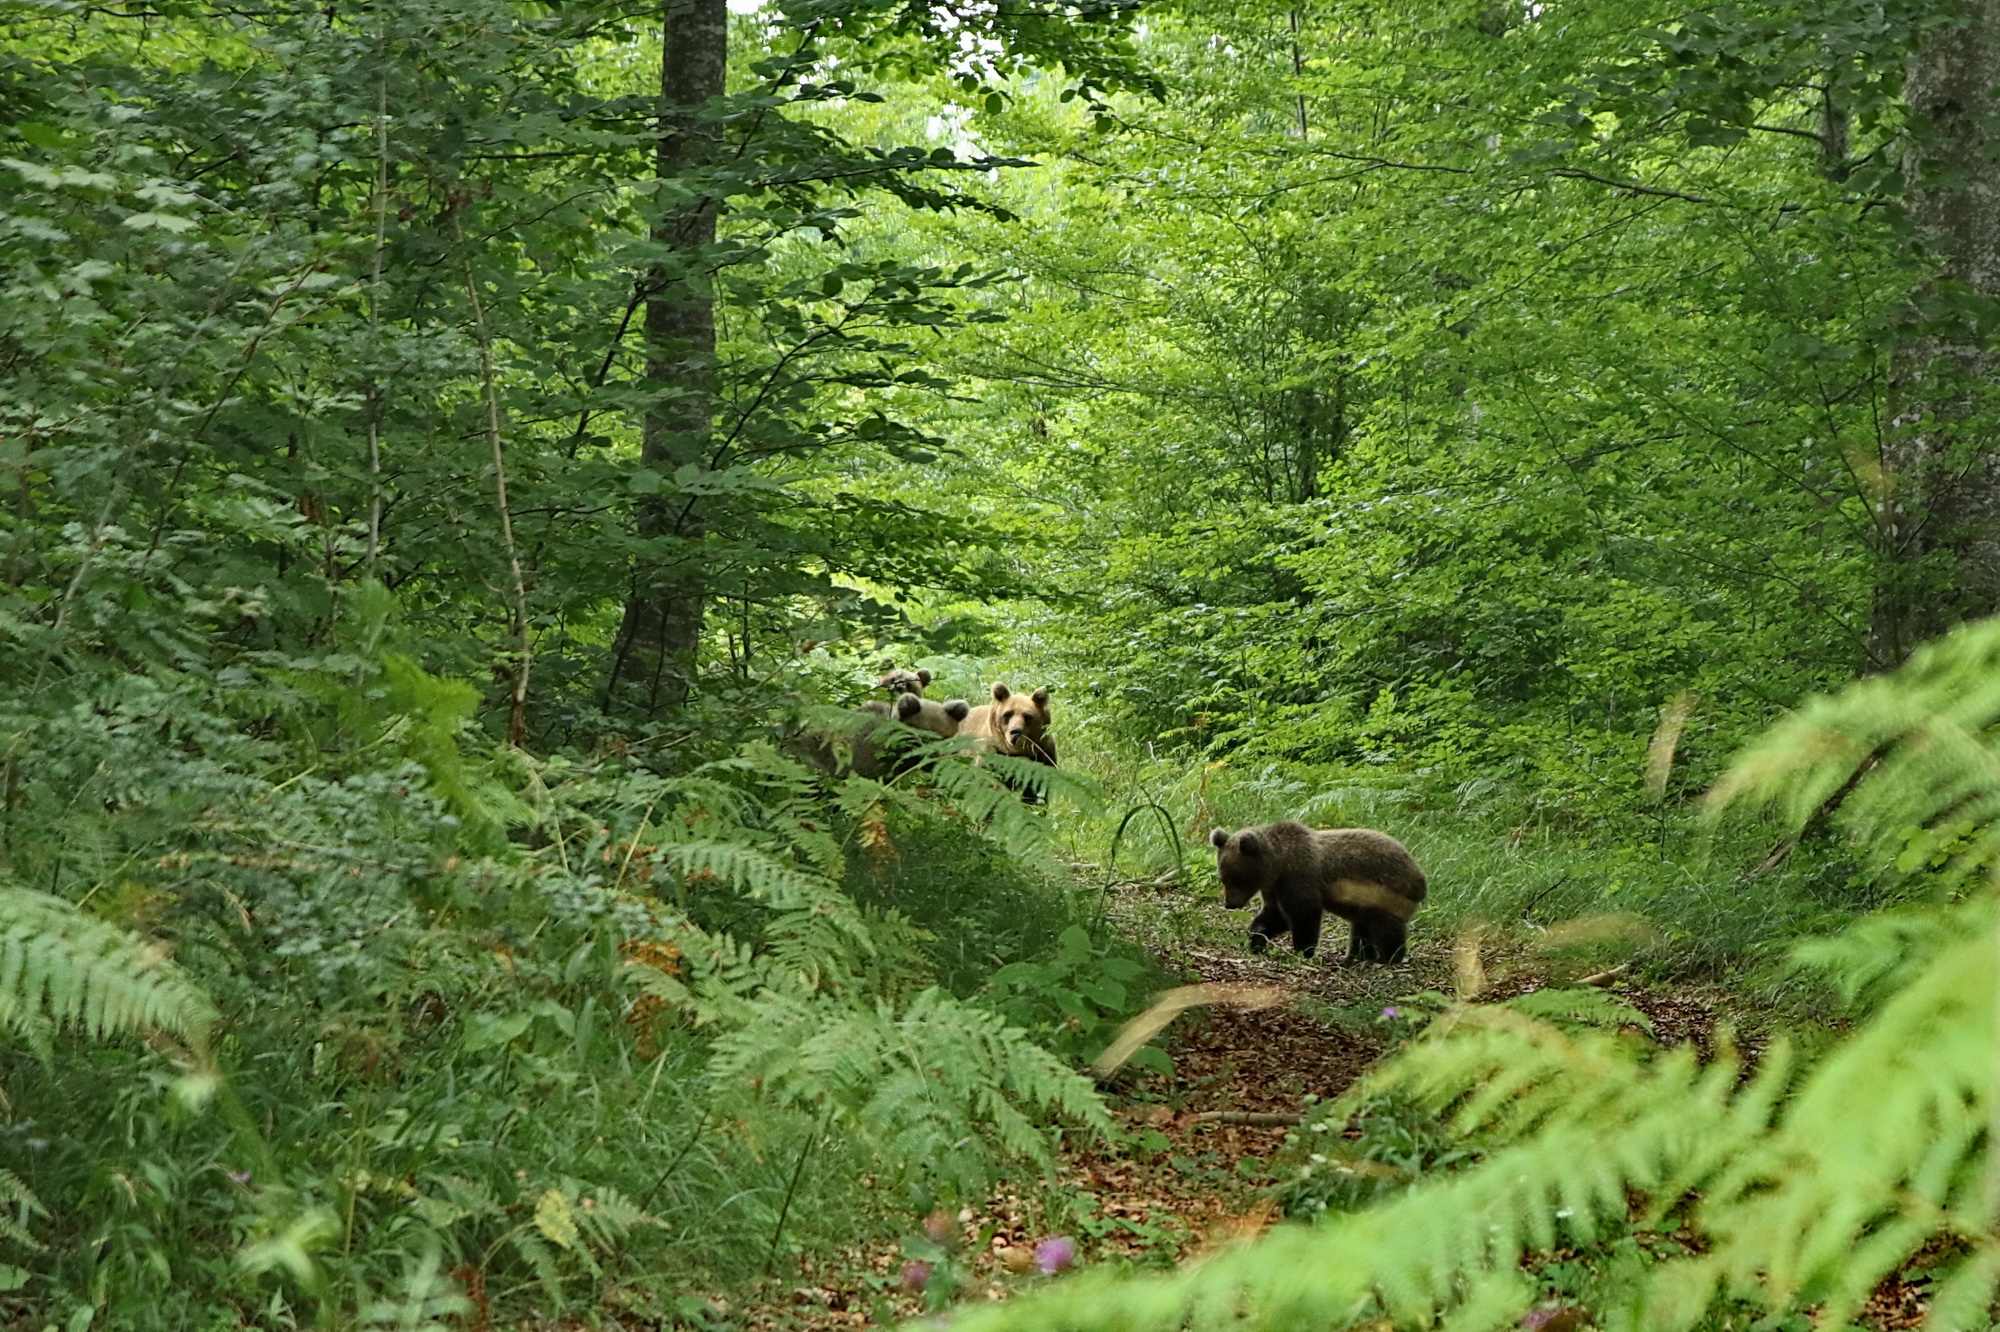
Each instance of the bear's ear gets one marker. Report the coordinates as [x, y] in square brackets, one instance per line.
[1248, 844]
[1041, 697]
[958, 709]
[1218, 838]
[908, 706]
[924, 679]
[1001, 693]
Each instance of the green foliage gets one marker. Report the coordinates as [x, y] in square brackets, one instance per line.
[1420, 387]
[1802, 1182]
[1921, 739]
[1082, 995]
[60, 968]
[1421, 392]
[1397, 1144]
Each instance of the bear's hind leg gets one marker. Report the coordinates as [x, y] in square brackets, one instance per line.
[1378, 938]
[1269, 925]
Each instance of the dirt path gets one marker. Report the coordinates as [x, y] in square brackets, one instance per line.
[1180, 1182]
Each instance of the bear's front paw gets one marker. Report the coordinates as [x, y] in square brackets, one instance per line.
[1259, 943]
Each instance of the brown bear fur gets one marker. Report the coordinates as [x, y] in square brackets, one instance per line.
[899, 681]
[865, 749]
[912, 708]
[1016, 725]
[1365, 877]
[940, 719]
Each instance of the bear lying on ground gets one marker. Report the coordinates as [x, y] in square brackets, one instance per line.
[1365, 877]
[1016, 725]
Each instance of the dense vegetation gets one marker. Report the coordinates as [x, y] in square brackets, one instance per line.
[459, 453]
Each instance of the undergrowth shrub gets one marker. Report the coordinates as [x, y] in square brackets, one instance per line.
[504, 1036]
[1779, 1186]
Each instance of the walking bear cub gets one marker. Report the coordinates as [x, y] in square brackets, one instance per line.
[1365, 877]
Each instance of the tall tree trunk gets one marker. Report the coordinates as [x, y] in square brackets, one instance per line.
[655, 658]
[1939, 515]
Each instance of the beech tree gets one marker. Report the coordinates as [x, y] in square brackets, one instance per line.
[660, 634]
[1939, 502]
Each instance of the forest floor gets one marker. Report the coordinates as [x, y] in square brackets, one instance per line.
[1185, 1179]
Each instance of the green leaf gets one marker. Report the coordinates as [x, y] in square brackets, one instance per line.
[555, 1220]
[484, 1031]
[157, 222]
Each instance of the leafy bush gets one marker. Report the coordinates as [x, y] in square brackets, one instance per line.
[416, 942]
[1081, 995]
[1799, 1182]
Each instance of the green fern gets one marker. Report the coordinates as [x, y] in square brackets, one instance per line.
[1919, 748]
[59, 966]
[832, 1010]
[17, 1203]
[1801, 1187]
[932, 1082]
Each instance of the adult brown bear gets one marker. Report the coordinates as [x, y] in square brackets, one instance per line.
[1365, 877]
[1016, 725]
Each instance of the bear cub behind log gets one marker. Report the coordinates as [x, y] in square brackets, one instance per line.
[1365, 877]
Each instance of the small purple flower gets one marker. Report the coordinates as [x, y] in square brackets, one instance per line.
[916, 1275]
[240, 1176]
[1392, 1011]
[1055, 1254]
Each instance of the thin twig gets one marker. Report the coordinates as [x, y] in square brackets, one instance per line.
[1254, 1118]
[517, 709]
[791, 1190]
[679, 1156]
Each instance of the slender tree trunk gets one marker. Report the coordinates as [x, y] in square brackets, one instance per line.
[657, 642]
[1938, 517]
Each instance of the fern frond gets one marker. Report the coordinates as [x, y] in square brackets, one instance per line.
[60, 965]
[1581, 1006]
[18, 1200]
[1920, 746]
[936, 1082]
[1807, 1189]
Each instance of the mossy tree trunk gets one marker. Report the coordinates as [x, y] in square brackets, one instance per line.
[660, 635]
[1938, 510]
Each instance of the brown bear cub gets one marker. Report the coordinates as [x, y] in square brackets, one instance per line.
[872, 751]
[941, 719]
[1365, 877]
[1016, 725]
[911, 707]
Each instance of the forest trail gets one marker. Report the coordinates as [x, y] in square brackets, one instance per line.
[1181, 1182]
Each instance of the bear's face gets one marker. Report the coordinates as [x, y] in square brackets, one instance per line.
[905, 682]
[1020, 718]
[1242, 865]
